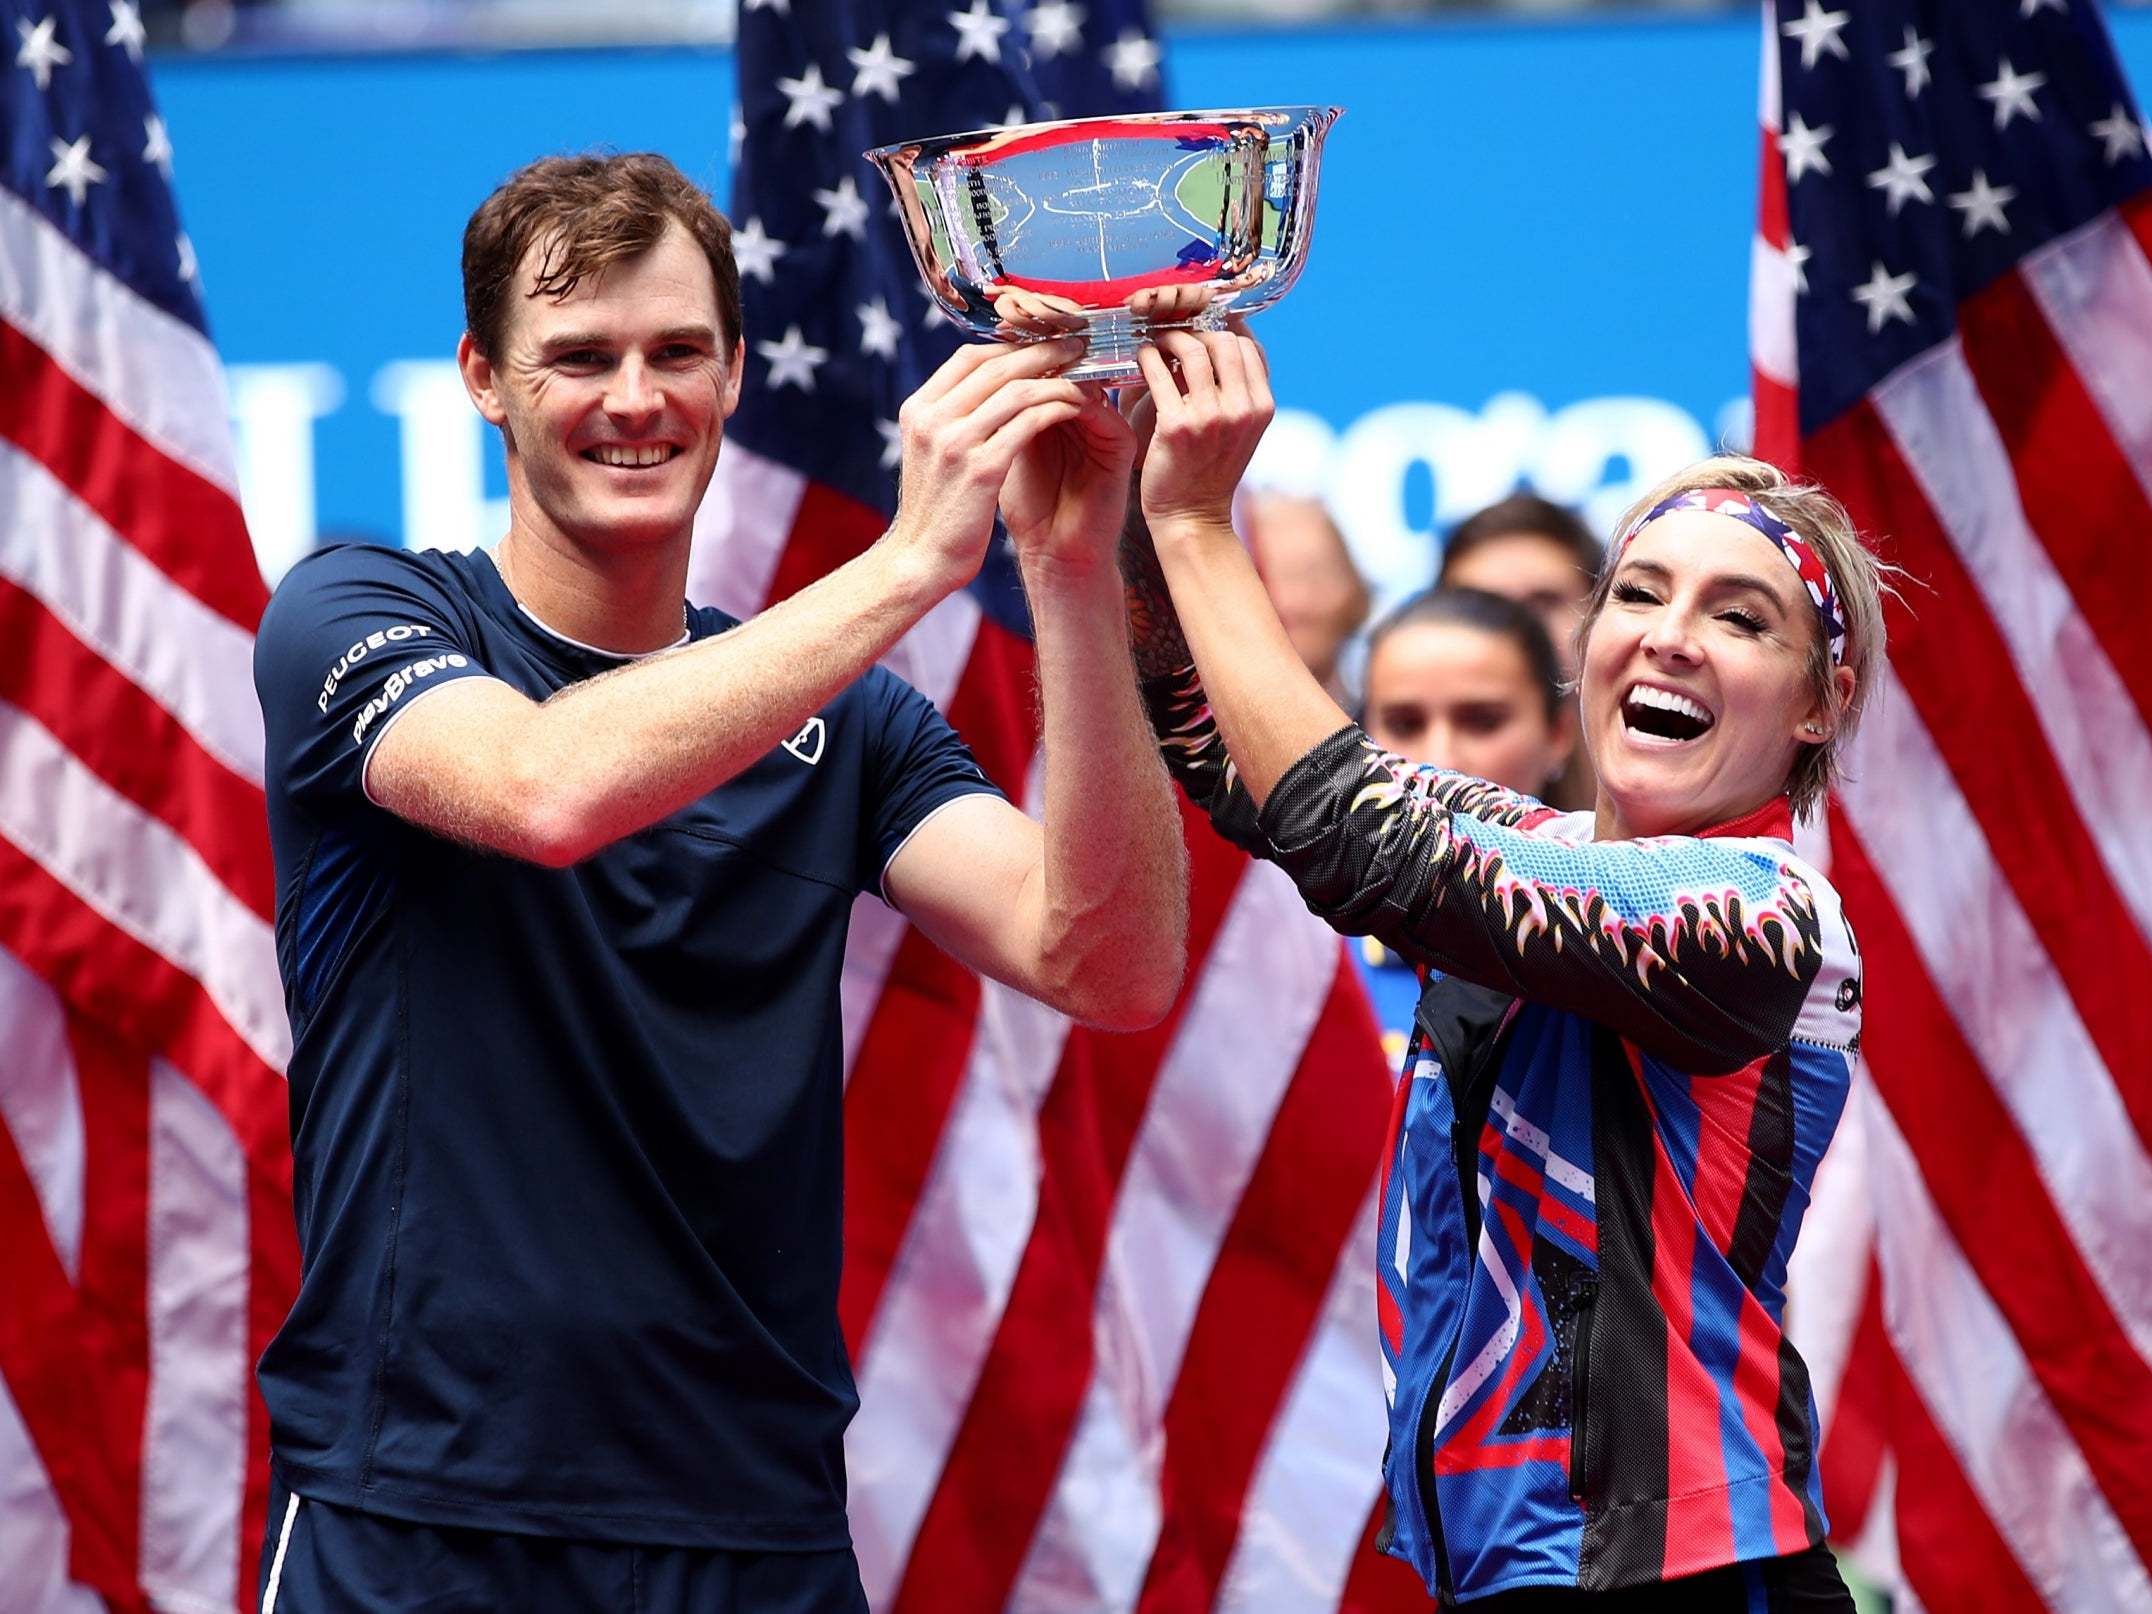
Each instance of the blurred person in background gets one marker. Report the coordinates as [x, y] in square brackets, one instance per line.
[1533, 551]
[1543, 556]
[1461, 679]
[1310, 577]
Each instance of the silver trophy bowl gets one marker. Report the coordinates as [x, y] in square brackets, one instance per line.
[1111, 227]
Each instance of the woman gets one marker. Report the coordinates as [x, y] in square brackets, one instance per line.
[1469, 682]
[1635, 1038]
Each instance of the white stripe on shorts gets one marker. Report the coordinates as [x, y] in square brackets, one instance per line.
[276, 1564]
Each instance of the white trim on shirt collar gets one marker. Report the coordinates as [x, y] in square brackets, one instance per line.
[552, 632]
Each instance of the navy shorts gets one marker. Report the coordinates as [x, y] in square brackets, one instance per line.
[1802, 1583]
[319, 1559]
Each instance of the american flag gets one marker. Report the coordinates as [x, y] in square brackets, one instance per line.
[1109, 1298]
[145, 1205]
[1952, 330]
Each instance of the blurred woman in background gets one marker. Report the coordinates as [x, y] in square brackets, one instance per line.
[1461, 679]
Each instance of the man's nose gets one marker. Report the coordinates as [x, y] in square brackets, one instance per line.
[634, 392]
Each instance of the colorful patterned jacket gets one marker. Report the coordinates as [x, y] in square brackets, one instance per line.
[1625, 1066]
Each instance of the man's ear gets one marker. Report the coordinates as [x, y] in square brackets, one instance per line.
[478, 381]
[728, 395]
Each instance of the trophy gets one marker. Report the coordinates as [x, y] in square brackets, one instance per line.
[1111, 228]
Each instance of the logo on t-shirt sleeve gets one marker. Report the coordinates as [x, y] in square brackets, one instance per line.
[379, 639]
[807, 744]
[393, 687]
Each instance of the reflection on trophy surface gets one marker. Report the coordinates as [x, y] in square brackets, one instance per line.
[1113, 227]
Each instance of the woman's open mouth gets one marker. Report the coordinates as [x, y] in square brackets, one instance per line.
[1655, 715]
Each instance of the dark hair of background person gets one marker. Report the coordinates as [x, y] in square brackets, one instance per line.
[1525, 514]
[1489, 613]
[589, 212]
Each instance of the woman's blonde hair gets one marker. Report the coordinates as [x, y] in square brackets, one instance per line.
[1861, 579]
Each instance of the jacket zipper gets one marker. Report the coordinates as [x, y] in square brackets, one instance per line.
[1423, 1471]
[1423, 1458]
[1580, 1473]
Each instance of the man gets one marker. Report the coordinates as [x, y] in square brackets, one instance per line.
[563, 873]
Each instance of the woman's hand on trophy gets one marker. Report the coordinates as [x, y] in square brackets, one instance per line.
[961, 432]
[1211, 394]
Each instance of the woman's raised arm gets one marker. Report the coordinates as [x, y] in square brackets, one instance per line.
[1704, 950]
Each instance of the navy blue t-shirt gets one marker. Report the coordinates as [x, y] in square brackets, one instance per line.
[567, 1143]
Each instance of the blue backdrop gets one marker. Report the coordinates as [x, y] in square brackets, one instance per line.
[1530, 262]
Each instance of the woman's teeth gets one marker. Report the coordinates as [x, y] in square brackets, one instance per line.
[1661, 714]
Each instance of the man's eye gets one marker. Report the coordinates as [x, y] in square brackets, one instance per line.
[679, 351]
[581, 358]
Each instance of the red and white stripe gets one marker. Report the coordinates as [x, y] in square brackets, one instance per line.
[144, 1174]
[1109, 1298]
[1974, 1287]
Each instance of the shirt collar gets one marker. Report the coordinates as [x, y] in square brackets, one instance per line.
[1774, 819]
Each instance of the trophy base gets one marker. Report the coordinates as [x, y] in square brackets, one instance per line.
[1112, 338]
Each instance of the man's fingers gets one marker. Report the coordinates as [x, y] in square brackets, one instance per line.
[949, 434]
[976, 368]
[999, 451]
[1009, 366]
[1003, 405]
[1107, 435]
[952, 370]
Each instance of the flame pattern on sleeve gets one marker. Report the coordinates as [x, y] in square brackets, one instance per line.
[1700, 949]
[1195, 755]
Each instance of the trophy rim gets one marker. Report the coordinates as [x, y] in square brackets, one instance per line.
[1320, 113]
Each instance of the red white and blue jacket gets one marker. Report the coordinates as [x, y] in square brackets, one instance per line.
[1625, 1066]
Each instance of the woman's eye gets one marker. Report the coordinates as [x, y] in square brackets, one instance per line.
[1746, 621]
[1633, 594]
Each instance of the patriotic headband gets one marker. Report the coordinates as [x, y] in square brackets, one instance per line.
[1815, 576]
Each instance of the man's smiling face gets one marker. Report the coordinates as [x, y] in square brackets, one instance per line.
[613, 399]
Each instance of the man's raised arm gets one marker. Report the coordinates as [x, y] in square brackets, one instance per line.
[1088, 911]
[554, 781]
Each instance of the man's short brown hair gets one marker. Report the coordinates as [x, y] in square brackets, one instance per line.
[589, 213]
